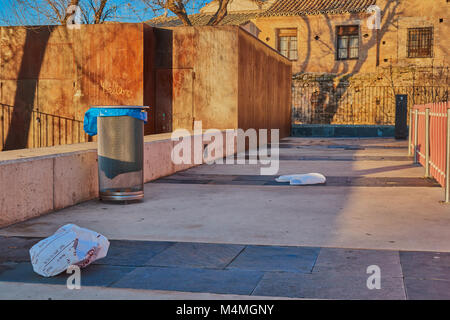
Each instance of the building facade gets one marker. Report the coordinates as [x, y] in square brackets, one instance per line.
[338, 36]
[350, 58]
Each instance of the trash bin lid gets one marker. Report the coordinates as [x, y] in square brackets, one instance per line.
[90, 117]
[121, 107]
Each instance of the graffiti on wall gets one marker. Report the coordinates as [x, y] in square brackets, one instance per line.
[114, 89]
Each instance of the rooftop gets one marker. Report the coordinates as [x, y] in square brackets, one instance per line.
[240, 15]
[308, 7]
[201, 19]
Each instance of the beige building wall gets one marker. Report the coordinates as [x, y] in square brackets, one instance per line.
[316, 36]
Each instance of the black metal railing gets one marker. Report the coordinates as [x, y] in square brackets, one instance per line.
[35, 129]
[313, 103]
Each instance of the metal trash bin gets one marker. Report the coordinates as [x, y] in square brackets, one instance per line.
[120, 151]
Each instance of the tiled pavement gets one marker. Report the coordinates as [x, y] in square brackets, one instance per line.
[300, 272]
[344, 213]
[258, 180]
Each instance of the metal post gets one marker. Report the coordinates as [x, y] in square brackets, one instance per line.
[416, 129]
[447, 169]
[410, 134]
[427, 143]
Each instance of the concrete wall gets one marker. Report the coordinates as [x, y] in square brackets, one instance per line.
[34, 182]
[59, 73]
[50, 76]
[195, 77]
[264, 82]
[221, 76]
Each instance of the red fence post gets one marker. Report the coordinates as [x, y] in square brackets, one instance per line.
[410, 132]
[427, 142]
[416, 126]
[447, 169]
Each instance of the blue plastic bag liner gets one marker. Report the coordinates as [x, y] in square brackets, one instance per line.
[90, 117]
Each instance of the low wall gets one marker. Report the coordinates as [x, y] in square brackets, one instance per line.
[341, 131]
[34, 182]
[322, 101]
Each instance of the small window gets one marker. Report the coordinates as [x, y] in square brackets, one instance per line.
[287, 43]
[347, 42]
[420, 43]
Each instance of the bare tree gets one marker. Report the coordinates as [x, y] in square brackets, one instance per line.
[57, 12]
[99, 11]
[38, 12]
[178, 7]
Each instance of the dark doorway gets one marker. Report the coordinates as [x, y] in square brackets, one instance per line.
[401, 116]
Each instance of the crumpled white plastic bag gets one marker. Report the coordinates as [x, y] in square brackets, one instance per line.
[70, 245]
[303, 179]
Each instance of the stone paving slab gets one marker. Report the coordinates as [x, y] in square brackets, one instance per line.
[340, 152]
[206, 255]
[132, 253]
[329, 166]
[16, 248]
[299, 272]
[328, 285]
[335, 181]
[344, 158]
[241, 209]
[5, 266]
[420, 289]
[319, 216]
[33, 291]
[93, 275]
[191, 280]
[390, 214]
[305, 158]
[426, 265]
[356, 262]
[288, 145]
[271, 258]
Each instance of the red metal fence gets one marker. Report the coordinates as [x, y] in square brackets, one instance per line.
[429, 141]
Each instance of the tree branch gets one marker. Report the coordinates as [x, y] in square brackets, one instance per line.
[221, 12]
[177, 7]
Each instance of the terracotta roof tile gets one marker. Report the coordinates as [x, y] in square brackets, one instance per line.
[278, 8]
[307, 7]
[201, 19]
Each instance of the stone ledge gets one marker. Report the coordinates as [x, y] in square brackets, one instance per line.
[341, 131]
[34, 182]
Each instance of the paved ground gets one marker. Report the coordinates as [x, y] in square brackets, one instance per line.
[227, 271]
[256, 237]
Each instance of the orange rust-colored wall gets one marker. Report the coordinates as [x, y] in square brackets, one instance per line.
[264, 82]
[51, 75]
[196, 77]
[222, 76]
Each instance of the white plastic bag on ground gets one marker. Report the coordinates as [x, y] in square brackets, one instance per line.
[70, 245]
[303, 179]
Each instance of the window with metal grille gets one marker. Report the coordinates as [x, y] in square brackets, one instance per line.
[287, 43]
[420, 43]
[347, 42]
